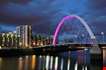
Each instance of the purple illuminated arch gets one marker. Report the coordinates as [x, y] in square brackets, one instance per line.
[58, 28]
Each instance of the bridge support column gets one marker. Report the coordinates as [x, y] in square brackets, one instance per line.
[96, 59]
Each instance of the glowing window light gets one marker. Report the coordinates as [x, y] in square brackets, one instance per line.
[20, 44]
[34, 43]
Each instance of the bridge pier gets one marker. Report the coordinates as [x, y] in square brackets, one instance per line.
[96, 58]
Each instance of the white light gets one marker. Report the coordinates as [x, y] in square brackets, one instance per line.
[56, 63]
[51, 62]
[47, 62]
[76, 66]
[86, 68]
[26, 44]
[102, 33]
[40, 56]
[20, 58]
[86, 49]
[3, 34]
[18, 35]
[0, 47]
[20, 44]
[68, 67]
[26, 57]
[7, 35]
[93, 37]
[41, 43]
[61, 64]
[34, 43]
[14, 31]
[10, 33]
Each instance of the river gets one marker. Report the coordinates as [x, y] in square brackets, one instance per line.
[73, 60]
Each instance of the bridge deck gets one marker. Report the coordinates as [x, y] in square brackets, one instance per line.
[44, 50]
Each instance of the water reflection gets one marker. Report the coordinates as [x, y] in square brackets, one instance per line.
[0, 63]
[33, 62]
[51, 62]
[77, 60]
[20, 63]
[104, 57]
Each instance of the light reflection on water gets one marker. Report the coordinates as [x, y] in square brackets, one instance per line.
[104, 57]
[0, 62]
[20, 63]
[33, 62]
[62, 62]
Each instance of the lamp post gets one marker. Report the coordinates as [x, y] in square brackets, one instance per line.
[83, 39]
[102, 33]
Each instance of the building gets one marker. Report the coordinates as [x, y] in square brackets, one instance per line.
[24, 33]
[41, 40]
[8, 40]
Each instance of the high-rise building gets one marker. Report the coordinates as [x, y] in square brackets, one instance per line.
[24, 33]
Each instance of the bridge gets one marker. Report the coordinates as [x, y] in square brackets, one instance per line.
[93, 49]
[60, 53]
[48, 49]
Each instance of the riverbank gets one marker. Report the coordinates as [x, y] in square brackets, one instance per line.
[44, 50]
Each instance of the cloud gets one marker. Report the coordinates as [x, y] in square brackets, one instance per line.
[97, 4]
[99, 24]
[14, 1]
[45, 15]
[7, 28]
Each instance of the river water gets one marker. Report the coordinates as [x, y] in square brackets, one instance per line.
[73, 60]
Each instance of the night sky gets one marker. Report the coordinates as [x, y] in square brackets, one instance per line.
[44, 15]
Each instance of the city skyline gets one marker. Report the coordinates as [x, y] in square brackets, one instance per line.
[23, 32]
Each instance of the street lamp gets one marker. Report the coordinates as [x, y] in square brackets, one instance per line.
[102, 33]
[82, 40]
